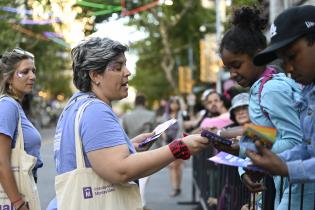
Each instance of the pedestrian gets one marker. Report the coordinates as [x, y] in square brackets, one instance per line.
[138, 121]
[229, 197]
[220, 117]
[18, 70]
[174, 110]
[239, 110]
[272, 95]
[101, 75]
[293, 41]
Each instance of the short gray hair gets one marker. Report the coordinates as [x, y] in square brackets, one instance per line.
[93, 54]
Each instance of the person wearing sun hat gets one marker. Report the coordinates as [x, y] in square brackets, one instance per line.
[272, 99]
[239, 109]
[293, 41]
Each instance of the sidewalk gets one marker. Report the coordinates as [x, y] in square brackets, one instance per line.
[159, 187]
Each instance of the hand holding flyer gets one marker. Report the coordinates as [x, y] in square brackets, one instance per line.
[215, 138]
[265, 135]
[231, 160]
[158, 131]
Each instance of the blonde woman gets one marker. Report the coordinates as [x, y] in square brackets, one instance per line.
[17, 79]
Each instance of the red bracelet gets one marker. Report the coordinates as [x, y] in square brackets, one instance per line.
[16, 201]
[179, 149]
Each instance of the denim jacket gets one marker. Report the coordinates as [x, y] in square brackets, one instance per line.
[301, 159]
[278, 98]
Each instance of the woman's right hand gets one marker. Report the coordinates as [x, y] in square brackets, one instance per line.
[196, 143]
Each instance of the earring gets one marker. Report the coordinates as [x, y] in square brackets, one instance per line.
[97, 83]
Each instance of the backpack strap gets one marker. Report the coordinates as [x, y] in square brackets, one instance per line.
[266, 76]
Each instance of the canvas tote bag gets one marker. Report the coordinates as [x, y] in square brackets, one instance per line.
[83, 189]
[22, 165]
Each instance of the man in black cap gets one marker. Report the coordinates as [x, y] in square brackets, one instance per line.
[293, 41]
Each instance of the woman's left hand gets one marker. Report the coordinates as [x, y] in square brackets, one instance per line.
[140, 138]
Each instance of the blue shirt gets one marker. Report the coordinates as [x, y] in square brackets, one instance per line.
[278, 98]
[99, 128]
[9, 118]
[301, 159]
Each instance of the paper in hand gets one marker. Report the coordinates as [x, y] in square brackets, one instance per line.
[265, 135]
[231, 160]
[158, 131]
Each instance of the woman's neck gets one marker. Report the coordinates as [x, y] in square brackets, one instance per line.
[100, 96]
[260, 70]
[16, 96]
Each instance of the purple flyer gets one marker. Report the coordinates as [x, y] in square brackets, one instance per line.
[231, 160]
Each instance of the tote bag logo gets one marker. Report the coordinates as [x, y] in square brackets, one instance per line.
[6, 207]
[87, 192]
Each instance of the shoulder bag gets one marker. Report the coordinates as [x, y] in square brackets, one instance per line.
[83, 189]
[22, 165]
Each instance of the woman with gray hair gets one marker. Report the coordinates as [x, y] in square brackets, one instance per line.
[17, 79]
[101, 75]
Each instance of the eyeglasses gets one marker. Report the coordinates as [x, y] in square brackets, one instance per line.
[22, 52]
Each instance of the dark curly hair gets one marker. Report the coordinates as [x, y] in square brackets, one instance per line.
[93, 54]
[245, 35]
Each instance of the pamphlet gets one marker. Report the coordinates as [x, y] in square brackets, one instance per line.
[231, 160]
[265, 135]
[215, 138]
[158, 131]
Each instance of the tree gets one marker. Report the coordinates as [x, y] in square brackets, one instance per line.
[50, 65]
[171, 32]
[8, 36]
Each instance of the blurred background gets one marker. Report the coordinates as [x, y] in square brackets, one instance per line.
[173, 44]
[173, 51]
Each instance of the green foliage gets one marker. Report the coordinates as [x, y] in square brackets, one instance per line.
[150, 81]
[150, 78]
[245, 2]
[8, 36]
[50, 65]
[101, 9]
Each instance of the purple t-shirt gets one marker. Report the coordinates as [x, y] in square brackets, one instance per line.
[99, 128]
[9, 118]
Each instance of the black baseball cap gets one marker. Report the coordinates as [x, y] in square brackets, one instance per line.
[290, 25]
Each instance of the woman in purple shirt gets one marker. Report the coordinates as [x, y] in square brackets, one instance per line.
[17, 79]
[101, 75]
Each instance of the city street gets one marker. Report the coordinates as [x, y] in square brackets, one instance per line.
[158, 188]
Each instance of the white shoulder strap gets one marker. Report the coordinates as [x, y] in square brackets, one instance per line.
[78, 142]
[19, 139]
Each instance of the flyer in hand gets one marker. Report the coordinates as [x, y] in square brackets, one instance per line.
[265, 135]
[158, 131]
[231, 160]
[215, 138]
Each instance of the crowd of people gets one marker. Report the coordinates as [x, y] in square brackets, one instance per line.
[111, 147]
